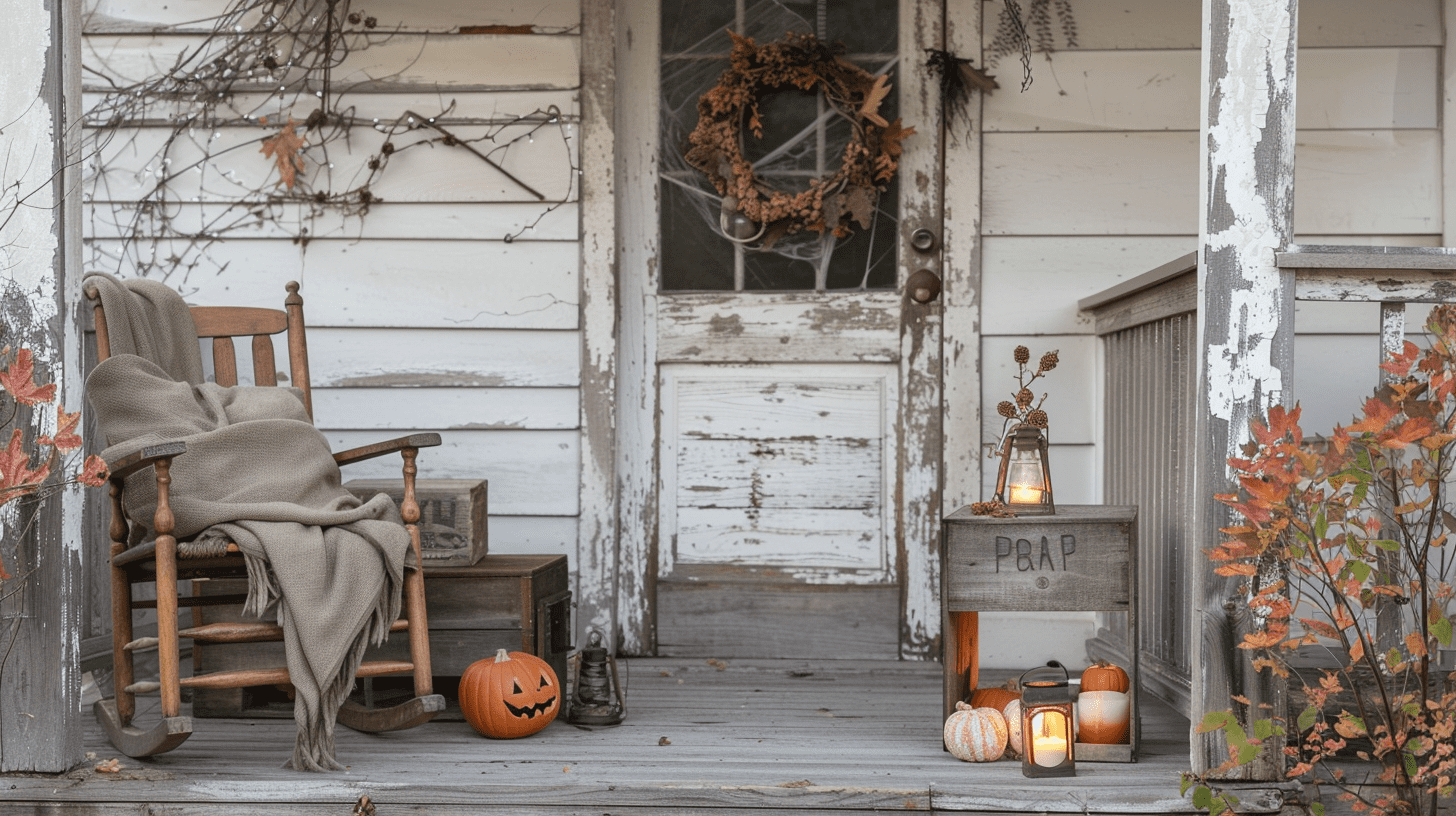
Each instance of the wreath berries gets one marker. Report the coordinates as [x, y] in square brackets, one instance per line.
[833, 202]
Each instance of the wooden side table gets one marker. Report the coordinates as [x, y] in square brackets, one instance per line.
[1083, 559]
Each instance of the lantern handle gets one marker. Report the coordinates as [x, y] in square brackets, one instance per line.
[1050, 664]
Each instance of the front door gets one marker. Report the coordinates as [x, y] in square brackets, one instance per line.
[786, 388]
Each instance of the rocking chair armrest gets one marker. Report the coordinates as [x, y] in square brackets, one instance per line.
[415, 441]
[146, 457]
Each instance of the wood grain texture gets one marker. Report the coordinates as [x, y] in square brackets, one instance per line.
[1339, 89]
[1246, 316]
[533, 409]
[353, 358]
[405, 15]
[793, 735]
[795, 327]
[530, 472]
[518, 62]
[1176, 24]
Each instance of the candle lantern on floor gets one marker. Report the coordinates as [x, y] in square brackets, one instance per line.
[1046, 723]
[596, 697]
[1024, 481]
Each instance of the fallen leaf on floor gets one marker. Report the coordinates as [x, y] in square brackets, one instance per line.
[664, 673]
[109, 766]
[802, 783]
[566, 769]
[365, 806]
[720, 665]
[663, 741]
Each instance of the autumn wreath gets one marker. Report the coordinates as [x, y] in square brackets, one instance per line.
[832, 202]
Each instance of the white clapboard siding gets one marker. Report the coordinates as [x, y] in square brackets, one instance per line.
[450, 284]
[447, 409]
[1148, 24]
[547, 221]
[1147, 183]
[443, 358]
[765, 404]
[1018, 274]
[447, 107]
[779, 473]
[427, 172]
[1339, 88]
[533, 535]
[1070, 387]
[789, 328]
[398, 63]
[531, 473]
[546, 16]
[780, 537]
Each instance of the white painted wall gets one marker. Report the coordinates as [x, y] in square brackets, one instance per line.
[421, 315]
[1091, 177]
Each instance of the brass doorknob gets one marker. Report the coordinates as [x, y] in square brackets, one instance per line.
[923, 286]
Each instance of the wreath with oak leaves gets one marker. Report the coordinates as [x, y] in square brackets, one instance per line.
[831, 203]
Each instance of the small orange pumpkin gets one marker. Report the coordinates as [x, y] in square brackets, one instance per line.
[996, 698]
[1104, 676]
[975, 734]
[510, 695]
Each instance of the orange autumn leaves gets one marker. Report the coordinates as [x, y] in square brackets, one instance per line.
[23, 470]
[1331, 529]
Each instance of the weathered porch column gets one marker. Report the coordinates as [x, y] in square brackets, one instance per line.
[40, 605]
[1245, 319]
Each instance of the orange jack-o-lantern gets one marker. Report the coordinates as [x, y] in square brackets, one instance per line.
[509, 695]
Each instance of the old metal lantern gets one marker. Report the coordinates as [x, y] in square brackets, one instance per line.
[1024, 482]
[596, 697]
[1046, 723]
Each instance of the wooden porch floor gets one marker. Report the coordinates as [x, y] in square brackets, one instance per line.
[700, 738]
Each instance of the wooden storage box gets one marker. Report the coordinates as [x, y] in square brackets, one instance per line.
[515, 602]
[1081, 559]
[452, 516]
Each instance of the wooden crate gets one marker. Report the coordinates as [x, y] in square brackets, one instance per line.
[1082, 559]
[452, 516]
[516, 602]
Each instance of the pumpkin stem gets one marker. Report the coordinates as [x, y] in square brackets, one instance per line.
[501, 656]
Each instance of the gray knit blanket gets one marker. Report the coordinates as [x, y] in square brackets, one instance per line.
[257, 473]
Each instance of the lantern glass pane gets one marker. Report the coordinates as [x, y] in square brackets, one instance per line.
[1048, 738]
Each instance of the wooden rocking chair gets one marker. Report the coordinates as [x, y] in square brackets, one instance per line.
[157, 561]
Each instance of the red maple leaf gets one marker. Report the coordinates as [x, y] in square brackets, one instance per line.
[1378, 414]
[19, 380]
[16, 476]
[1400, 362]
[94, 473]
[65, 438]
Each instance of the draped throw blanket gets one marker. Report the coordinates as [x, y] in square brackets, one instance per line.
[256, 473]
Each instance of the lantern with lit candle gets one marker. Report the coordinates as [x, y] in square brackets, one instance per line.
[1046, 723]
[1024, 482]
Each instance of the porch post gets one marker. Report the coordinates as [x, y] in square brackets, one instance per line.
[40, 542]
[596, 549]
[1245, 321]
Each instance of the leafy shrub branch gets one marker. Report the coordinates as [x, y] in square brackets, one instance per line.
[1346, 546]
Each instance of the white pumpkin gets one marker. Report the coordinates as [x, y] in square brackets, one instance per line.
[1012, 713]
[975, 734]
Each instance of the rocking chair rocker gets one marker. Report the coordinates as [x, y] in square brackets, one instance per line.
[158, 560]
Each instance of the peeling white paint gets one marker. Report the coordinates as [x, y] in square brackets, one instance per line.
[1256, 73]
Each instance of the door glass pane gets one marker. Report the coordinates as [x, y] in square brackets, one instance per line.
[803, 140]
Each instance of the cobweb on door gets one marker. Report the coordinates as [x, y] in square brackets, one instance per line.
[803, 139]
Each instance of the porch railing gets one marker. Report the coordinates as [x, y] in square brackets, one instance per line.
[1149, 329]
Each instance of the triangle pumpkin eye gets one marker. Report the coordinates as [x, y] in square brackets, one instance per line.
[545, 681]
[515, 687]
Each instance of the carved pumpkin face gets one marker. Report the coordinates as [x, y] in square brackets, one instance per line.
[510, 695]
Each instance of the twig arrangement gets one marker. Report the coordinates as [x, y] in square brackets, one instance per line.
[261, 91]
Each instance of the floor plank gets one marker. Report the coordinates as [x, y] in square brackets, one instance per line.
[771, 735]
